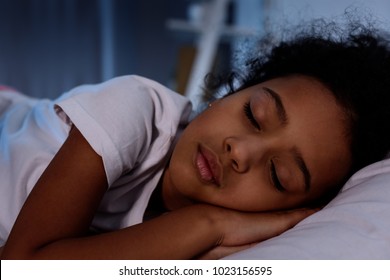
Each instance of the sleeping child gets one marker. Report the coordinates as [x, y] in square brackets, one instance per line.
[120, 170]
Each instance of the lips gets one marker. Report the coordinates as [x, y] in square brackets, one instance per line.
[208, 166]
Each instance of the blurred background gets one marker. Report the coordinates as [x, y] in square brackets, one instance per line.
[49, 46]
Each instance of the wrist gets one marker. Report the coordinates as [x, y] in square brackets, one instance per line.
[213, 218]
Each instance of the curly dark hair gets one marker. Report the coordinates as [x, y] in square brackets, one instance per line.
[352, 61]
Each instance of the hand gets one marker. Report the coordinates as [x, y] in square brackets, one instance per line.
[242, 230]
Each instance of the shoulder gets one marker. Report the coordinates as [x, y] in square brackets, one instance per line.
[129, 91]
[149, 89]
[120, 118]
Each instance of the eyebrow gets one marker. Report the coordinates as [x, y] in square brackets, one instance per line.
[280, 111]
[303, 167]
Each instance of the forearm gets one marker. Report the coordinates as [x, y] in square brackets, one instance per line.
[181, 234]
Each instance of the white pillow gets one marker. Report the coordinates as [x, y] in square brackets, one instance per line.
[354, 225]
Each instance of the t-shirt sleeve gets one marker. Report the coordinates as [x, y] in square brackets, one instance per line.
[115, 117]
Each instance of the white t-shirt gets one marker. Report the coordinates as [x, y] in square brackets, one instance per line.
[130, 121]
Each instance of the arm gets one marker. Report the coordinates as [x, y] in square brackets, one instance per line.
[55, 219]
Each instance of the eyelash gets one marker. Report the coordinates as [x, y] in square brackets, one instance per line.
[250, 117]
[275, 179]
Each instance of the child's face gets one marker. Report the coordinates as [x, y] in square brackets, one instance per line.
[271, 146]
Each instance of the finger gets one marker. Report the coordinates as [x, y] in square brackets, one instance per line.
[290, 218]
[277, 223]
[261, 226]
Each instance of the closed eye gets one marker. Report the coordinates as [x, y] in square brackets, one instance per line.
[275, 179]
[250, 117]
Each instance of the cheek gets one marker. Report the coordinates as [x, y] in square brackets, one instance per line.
[246, 193]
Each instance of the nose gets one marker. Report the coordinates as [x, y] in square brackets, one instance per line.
[242, 153]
